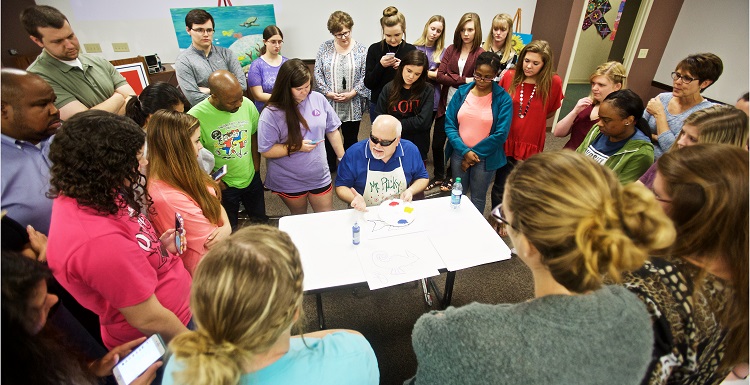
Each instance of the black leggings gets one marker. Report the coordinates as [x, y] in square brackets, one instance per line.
[501, 175]
[438, 148]
[350, 130]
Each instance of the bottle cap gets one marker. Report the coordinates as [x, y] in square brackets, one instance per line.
[458, 180]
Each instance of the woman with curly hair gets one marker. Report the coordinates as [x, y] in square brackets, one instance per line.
[572, 222]
[247, 298]
[177, 185]
[101, 246]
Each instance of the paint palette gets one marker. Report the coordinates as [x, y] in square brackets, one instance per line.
[396, 212]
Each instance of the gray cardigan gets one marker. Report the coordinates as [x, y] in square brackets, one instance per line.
[600, 338]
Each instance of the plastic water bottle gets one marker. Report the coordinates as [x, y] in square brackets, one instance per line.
[355, 233]
[456, 193]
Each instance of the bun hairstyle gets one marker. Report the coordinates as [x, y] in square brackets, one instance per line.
[246, 293]
[155, 97]
[584, 223]
[269, 32]
[392, 17]
[708, 185]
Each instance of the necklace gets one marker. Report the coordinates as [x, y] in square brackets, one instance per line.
[522, 113]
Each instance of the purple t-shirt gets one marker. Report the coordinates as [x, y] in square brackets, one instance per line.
[262, 74]
[432, 66]
[300, 171]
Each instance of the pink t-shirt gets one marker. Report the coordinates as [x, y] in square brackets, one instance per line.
[169, 200]
[475, 119]
[108, 262]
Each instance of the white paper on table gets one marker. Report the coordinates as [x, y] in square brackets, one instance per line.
[398, 260]
[472, 244]
[376, 228]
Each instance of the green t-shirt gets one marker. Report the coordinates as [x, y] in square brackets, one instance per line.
[228, 137]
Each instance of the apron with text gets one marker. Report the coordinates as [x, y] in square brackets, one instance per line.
[382, 185]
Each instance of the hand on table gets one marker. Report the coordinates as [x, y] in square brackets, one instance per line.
[358, 203]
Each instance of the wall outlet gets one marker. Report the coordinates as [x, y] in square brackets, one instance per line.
[93, 48]
[120, 47]
[642, 53]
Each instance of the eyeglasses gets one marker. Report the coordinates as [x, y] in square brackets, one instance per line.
[685, 79]
[499, 216]
[384, 143]
[203, 31]
[342, 35]
[483, 78]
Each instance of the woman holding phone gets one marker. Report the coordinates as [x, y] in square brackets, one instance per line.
[177, 185]
[102, 248]
[290, 131]
[432, 43]
[383, 57]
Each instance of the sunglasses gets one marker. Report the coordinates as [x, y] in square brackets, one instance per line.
[498, 214]
[382, 142]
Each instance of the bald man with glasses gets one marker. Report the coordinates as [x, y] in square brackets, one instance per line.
[381, 167]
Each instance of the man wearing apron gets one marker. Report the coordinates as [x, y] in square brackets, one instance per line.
[381, 167]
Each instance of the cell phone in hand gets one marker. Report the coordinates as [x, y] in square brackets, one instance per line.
[179, 232]
[218, 174]
[135, 363]
[390, 54]
[316, 141]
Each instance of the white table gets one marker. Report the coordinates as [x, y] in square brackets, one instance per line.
[462, 237]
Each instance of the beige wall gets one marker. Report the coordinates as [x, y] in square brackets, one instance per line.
[592, 49]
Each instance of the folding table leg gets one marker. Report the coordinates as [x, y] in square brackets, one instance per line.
[449, 281]
[426, 291]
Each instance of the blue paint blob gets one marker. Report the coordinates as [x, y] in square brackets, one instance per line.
[402, 222]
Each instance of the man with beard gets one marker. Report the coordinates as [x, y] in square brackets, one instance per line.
[29, 120]
[381, 167]
[80, 81]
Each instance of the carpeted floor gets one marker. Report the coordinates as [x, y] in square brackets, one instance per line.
[386, 316]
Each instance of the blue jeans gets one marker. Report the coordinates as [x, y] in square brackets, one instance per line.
[475, 180]
[251, 197]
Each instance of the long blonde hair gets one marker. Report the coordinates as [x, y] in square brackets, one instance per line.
[477, 42]
[172, 159]
[544, 77]
[439, 43]
[584, 223]
[246, 293]
[498, 22]
[612, 70]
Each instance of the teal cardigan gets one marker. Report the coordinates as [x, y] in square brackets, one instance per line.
[490, 149]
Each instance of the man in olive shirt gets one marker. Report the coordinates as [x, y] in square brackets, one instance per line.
[81, 82]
